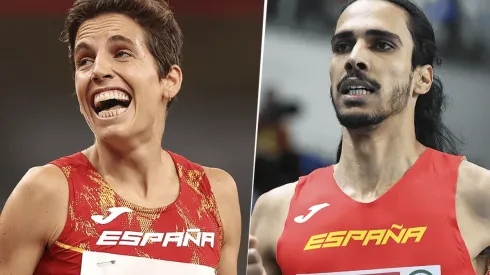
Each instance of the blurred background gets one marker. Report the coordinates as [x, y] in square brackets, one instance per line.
[298, 129]
[212, 122]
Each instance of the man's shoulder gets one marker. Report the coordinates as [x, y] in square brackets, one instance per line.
[283, 192]
[269, 216]
[473, 178]
[474, 188]
[276, 199]
[473, 196]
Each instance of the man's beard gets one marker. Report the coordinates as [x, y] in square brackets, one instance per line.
[398, 101]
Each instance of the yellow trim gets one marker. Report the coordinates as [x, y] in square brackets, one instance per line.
[69, 247]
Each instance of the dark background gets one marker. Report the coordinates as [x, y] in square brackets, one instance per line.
[212, 122]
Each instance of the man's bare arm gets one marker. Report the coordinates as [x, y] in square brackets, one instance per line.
[473, 212]
[473, 195]
[226, 194]
[32, 216]
[267, 224]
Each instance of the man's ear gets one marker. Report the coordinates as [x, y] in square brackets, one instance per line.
[423, 78]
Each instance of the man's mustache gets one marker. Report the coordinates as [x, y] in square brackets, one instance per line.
[361, 76]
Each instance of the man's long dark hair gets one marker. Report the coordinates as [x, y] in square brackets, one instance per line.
[429, 127]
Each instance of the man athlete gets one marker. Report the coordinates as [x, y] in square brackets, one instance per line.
[399, 200]
[124, 205]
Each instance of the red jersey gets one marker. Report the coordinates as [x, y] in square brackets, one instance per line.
[106, 234]
[409, 230]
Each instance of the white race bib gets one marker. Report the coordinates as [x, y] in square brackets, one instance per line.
[97, 263]
[415, 270]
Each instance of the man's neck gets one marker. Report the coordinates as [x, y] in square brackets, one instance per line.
[373, 160]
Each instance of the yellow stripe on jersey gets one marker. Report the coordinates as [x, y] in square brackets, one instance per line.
[69, 247]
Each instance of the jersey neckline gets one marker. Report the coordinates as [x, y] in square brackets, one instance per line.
[409, 175]
[133, 206]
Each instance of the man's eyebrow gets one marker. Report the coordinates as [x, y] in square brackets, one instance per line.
[384, 34]
[343, 35]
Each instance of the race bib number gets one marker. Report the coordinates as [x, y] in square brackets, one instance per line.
[96, 263]
[416, 270]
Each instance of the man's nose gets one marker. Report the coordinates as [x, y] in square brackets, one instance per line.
[358, 59]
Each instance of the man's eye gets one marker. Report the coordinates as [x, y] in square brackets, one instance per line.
[342, 48]
[384, 46]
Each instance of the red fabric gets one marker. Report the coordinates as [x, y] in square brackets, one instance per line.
[423, 201]
[90, 195]
[201, 8]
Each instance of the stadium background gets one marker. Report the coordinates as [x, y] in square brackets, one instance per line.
[213, 121]
[298, 129]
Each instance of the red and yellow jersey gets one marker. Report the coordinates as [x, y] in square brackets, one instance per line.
[105, 234]
[410, 230]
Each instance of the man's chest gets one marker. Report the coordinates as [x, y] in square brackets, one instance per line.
[337, 238]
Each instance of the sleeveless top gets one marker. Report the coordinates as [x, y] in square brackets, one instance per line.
[410, 230]
[105, 234]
